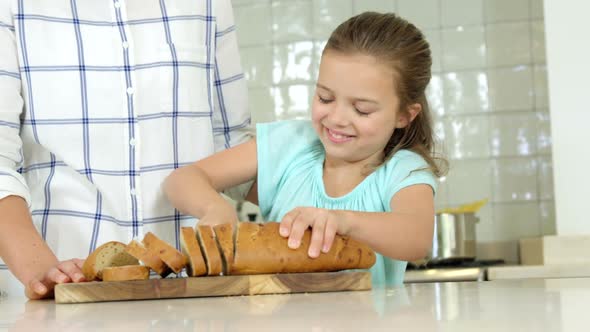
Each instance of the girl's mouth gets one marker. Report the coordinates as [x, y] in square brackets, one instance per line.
[337, 137]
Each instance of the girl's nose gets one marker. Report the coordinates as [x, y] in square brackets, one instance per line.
[338, 116]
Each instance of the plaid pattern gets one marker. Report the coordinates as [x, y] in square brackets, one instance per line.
[101, 100]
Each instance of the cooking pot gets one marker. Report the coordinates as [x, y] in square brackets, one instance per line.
[454, 237]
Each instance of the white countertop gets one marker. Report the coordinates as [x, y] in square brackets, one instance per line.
[504, 305]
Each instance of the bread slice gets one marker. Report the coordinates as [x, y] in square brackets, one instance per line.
[124, 273]
[260, 249]
[225, 236]
[149, 259]
[191, 249]
[172, 257]
[107, 255]
[211, 252]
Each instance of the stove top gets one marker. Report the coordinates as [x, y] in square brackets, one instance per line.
[444, 271]
[453, 264]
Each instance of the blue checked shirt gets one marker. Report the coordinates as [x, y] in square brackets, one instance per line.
[101, 100]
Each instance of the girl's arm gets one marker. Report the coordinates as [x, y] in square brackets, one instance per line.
[194, 189]
[405, 234]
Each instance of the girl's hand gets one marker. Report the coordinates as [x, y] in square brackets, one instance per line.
[64, 272]
[219, 214]
[324, 227]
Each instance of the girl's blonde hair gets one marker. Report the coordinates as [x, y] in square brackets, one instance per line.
[400, 45]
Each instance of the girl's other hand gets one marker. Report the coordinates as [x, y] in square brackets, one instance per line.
[64, 272]
[324, 227]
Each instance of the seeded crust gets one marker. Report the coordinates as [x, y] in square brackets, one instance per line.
[192, 250]
[211, 252]
[139, 251]
[225, 237]
[175, 260]
[260, 249]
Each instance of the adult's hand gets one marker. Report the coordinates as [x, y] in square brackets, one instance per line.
[64, 272]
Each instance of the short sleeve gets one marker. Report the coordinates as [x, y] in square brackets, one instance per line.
[11, 107]
[279, 145]
[405, 169]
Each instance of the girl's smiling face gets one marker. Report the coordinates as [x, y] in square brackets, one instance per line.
[355, 108]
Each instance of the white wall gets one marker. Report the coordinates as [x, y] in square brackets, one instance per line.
[567, 31]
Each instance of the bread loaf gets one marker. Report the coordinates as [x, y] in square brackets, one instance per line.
[124, 273]
[107, 255]
[259, 248]
[245, 248]
[149, 259]
[191, 249]
[172, 257]
[211, 252]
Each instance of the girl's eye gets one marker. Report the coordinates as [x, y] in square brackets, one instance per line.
[361, 113]
[324, 101]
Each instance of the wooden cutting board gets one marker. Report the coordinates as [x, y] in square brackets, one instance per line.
[212, 286]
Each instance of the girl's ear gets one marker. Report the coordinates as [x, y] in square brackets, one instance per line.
[406, 118]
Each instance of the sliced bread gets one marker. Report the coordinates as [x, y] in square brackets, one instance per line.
[149, 259]
[211, 251]
[124, 273]
[107, 255]
[225, 236]
[172, 257]
[191, 249]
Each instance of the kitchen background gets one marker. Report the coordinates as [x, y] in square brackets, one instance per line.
[488, 95]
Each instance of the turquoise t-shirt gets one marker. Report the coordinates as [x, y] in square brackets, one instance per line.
[290, 168]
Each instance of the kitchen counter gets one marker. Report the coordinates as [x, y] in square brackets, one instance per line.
[504, 305]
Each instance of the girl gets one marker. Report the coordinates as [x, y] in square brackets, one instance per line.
[362, 167]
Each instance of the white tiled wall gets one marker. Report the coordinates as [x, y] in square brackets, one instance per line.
[488, 93]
